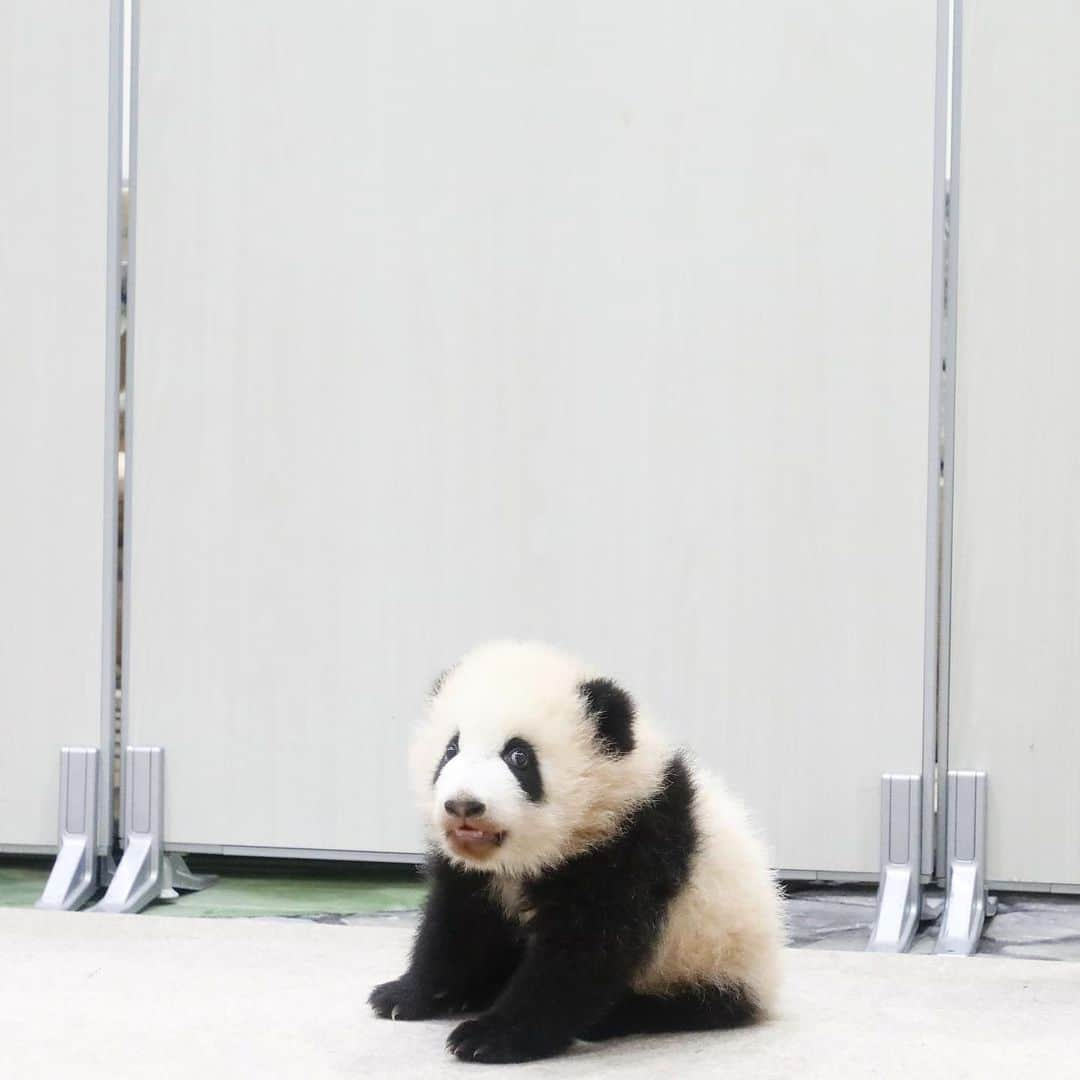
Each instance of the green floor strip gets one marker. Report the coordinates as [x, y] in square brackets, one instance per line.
[247, 892]
[245, 895]
[21, 882]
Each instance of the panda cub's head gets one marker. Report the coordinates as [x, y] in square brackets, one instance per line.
[528, 758]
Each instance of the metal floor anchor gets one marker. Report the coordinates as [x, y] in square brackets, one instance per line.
[899, 898]
[145, 872]
[74, 877]
[966, 904]
[177, 877]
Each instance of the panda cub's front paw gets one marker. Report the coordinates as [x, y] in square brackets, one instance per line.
[402, 1000]
[492, 1040]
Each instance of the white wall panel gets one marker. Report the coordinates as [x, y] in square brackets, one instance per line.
[1015, 689]
[602, 322]
[54, 398]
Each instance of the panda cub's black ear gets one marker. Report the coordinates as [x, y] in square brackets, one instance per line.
[611, 709]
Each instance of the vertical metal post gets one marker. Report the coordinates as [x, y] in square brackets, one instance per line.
[129, 399]
[111, 511]
[937, 510]
[948, 421]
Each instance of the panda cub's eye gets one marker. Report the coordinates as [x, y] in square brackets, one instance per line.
[524, 764]
[450, 752]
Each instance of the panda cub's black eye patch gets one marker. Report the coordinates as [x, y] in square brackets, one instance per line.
[451, 750]
[520, 758]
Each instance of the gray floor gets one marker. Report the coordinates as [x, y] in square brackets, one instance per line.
[1034, 927]
[119, 996]
[1026, 926]
[836, 918]
[1030, 927]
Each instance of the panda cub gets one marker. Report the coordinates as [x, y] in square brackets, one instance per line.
[586, 880]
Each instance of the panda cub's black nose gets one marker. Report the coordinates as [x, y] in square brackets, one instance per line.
[464, 808]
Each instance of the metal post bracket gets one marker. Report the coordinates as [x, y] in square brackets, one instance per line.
[145, 872]
[966, 907]
[74, 876]
[899, 898]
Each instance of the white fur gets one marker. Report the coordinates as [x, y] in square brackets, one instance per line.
[724, 928]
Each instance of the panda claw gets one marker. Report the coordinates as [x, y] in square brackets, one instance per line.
[394, 1012]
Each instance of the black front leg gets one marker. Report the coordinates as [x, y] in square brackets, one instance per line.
[596, 922]
[465, 950]
[576, 967]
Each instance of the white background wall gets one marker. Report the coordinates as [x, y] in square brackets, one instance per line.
[54, 72]
[599, 322]
[1016, 561]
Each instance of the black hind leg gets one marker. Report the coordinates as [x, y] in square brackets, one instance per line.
[698, 1009]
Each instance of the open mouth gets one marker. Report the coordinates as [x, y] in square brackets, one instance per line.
[474, 838]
